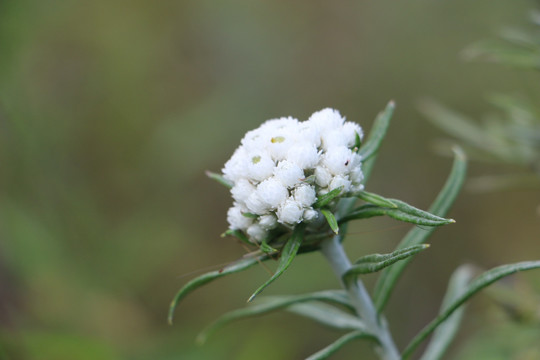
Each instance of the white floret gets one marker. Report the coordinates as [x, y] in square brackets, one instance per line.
[326, 119]
[290, 212]
[309, 134]
[288, 173]
[242, 189]
[356, 175]
[305, 195]
[256, 205]
[256, 232]
[322, 176]
[338, 160]
[310, 215]
[259, 166]
[272, 192]
[268, 222]
[235, 168]
[236, 219]
[349, 132]
[340, 181]
[305, 155]
[333, 138]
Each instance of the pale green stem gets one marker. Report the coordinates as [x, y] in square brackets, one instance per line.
[336, 256]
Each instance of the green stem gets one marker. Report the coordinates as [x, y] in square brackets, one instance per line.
[336, 256]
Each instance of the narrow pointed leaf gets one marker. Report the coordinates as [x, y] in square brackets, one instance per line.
[375, 258]
[357, 141]
[274, 303]
[444, 334]
[482, 281]
[288, 253]
[211, 276]
[267, 249]
[237, 234]
[220, 179]
[338, 344]
[328, 315]
[377, 133]
[331, 219]
[377, 262]
[411, 210]
[440, 207]
[368, 211]
[375, 199]
[327, 198]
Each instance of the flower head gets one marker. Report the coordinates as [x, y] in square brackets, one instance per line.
[282, 167]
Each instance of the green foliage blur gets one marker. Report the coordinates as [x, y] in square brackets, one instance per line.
[111, 111]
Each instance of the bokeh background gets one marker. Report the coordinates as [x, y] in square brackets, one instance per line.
[111, 111]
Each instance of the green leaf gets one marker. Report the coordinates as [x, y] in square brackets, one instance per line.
[331, 219]
[375, 199]
[368, 211]
[443, 336]
[250, 215]
[325, 199]
[440, 207]
[273, 303]
[220, 179]
[288, 253]
[411, 210]
[211, 276]
[482, 281]
[357, 141]
[267, 249]
[376, 262]
[338, 344]
[377, 133]
[328, 315]
[237, 234]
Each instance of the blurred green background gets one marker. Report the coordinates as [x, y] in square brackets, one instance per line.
[111, 111]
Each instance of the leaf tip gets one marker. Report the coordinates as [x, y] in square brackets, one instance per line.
[392, 103]
[250, 299]
[170, 316]
[200, 339]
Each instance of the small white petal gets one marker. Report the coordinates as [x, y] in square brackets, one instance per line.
[310, 215]
[305, 195]
[333, 138]
[290, 212]
[349, 132]
[338, 160]
[322, 176]
[256, 205]
[338, 181]
[236, 220]
[326, 119]
[242, 189]
[305, 155]
[288, 173]
[259, 166]
[235, 168]
[256, 232]
[268, 222]
[272, 192]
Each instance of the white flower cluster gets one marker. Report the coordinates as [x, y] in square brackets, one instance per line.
[281, 168]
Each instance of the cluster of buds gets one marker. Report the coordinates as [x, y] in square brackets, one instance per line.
[283, 167]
